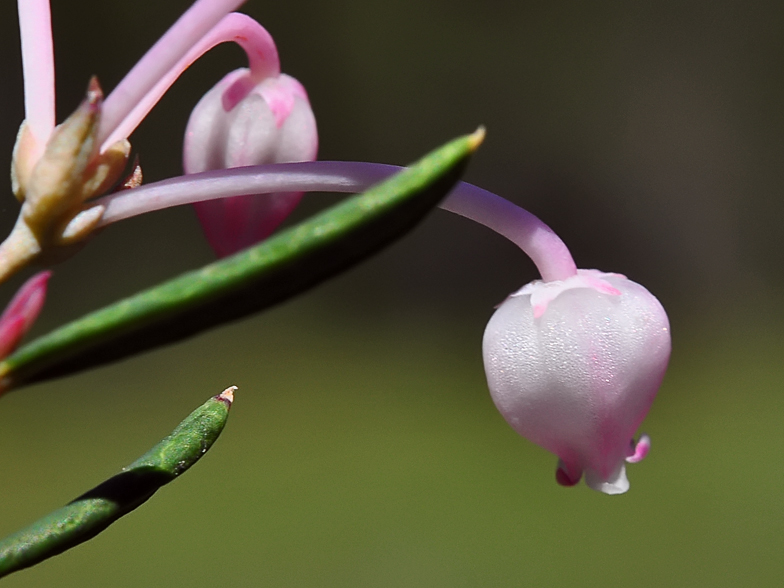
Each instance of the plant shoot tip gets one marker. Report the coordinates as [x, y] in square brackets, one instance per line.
[94, 91]
[477, 137]
[228, 394]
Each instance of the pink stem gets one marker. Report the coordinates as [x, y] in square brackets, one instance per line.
[35, 28]
[535, 238]
[522, 228]
[162, 57]
[240, 28]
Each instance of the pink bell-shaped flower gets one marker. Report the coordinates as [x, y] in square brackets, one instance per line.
[574, 365]
[235, 125]
[573, 361]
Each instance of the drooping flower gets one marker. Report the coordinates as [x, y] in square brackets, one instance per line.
[242, 122]
[57, 172]
[574, 365]
[573, 361]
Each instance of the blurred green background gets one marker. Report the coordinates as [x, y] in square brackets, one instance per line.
[364, 449]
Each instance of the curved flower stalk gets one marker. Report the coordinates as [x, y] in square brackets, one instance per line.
[535, 238]
[573, 362]
[57, 172]
[253, 280]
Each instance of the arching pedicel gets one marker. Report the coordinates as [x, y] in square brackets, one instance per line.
[573, 361]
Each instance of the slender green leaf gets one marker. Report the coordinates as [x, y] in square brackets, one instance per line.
[95, 510]
[229, 289]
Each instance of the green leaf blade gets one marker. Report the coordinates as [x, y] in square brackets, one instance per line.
[250, 281]
[94, 511]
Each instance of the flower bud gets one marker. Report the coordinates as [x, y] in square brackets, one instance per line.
[574, 366]
[55, 189]
[239, 123]
[20, 314]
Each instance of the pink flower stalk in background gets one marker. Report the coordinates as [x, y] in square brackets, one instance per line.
[21, 312]
[58, 171]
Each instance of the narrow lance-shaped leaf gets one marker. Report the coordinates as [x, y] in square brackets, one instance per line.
[254, 279]
[95, 510]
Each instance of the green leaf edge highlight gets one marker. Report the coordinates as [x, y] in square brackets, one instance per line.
[279, 268]
[91, 513]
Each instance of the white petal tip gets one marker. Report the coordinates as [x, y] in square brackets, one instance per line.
[618, 483]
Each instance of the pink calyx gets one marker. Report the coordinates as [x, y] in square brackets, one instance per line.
[543, 293]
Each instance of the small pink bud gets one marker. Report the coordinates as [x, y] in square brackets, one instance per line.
[21, 312]
[574, 365]
[239, 123]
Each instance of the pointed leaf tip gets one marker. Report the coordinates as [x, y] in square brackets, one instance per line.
[477, 137]
[94, 92]
[227, 395]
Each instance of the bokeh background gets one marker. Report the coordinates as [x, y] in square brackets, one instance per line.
[363, 449]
